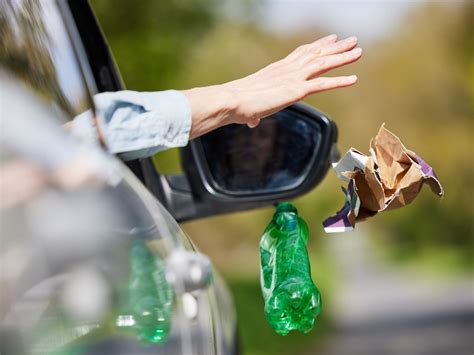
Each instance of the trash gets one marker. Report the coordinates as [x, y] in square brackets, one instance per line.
[292, 301]
[391, 177]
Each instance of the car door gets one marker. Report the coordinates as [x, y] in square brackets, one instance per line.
[89, 237]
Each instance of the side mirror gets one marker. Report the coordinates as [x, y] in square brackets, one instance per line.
[237, 168]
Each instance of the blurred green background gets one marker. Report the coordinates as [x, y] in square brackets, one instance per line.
[416, 75]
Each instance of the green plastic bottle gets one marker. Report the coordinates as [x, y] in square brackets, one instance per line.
[150, 295]
[292, 301]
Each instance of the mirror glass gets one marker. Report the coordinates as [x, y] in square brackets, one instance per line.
[272, 157]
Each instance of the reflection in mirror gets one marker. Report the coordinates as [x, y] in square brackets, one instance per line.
[271, 157]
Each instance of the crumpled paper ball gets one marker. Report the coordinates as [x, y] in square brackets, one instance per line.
[391, 177]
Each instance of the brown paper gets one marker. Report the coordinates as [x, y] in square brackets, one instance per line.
[391, 177]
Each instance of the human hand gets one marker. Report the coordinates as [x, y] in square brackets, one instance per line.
[274, 87]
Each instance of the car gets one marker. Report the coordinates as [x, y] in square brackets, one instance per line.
[93, 260]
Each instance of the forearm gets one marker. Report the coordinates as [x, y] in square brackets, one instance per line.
[211, 107]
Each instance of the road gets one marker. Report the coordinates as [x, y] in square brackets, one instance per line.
[379, 310]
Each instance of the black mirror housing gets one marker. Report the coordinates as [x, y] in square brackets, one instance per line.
[237, 164]
[231, 170]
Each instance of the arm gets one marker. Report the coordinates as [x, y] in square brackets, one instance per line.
[274, 87]
[140, 124]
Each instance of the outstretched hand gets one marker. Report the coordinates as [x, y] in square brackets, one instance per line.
[274, 87]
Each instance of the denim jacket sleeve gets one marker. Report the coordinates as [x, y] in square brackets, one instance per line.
[138, 124]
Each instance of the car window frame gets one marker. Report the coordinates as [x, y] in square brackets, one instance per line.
[102, 73]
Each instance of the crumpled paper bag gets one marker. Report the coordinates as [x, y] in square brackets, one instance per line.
[391, 177]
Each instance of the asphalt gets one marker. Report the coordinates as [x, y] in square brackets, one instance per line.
[380, 310]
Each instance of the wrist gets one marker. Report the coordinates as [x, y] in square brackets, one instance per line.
[211, 107]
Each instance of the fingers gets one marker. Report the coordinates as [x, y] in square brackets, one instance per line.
[324, 64]
[325, 40]
[302, 50]
[323, 84]
[296, 76]
[338, 47]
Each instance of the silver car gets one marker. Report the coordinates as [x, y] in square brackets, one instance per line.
[92, 258]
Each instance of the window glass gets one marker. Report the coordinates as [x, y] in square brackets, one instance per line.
[36, 47]
[247, 161]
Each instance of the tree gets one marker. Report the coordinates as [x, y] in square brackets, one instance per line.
[150, 39]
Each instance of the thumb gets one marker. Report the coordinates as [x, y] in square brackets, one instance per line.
[253, 123]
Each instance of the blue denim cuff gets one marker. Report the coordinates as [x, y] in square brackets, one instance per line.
[140, 124]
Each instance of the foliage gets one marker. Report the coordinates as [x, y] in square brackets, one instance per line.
[419, 80]
[425, 79]
[152, 39]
